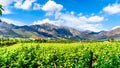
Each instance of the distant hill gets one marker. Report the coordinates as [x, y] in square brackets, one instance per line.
[52, 31]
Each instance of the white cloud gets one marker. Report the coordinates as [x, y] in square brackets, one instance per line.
[77, 22]
[65, 19]
[92, 27]
[95, 19]
[72, 12]
[12, 21]
[52, 7]
[43, 21]
[6, 3]
[55, 22]
[26, 5]
[6, 11]
[18, 4]
[115, 27]
[82, 22]
[21, 4]
[36, 6]
[112, 9]
[69, 19]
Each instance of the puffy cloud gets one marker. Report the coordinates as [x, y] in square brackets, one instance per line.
[52, 7]
[21, 4]
[26, 5]
[95, 19]
[112, 9]
[12, 21]
[36, 6]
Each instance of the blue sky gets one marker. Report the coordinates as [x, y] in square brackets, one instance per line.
[94, 15]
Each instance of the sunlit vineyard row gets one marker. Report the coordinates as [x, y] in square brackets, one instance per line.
[61, 55]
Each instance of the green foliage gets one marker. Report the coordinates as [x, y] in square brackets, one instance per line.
[7, 42]
[111, 40]
[40, 40]
[1, 9]
[60, 55]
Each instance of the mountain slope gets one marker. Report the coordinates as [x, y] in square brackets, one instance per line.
[52, 31]
[37, 31]
[114, 33]
[49, 30]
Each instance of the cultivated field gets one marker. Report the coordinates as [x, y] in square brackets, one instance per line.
[61, 55]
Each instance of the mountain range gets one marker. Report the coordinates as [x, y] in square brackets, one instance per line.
[47, 30]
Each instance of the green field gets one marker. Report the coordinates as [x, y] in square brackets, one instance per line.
[61, 55]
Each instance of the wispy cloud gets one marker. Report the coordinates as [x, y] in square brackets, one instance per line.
[6, 11]
[82, 22]
[10, 21]
[37, 6]
[77, 22]
[6, 3]
[55, 22]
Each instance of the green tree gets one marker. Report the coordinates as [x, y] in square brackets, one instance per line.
[1, 8]
[111, 39]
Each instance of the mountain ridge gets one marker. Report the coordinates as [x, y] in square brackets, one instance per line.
[47, 30]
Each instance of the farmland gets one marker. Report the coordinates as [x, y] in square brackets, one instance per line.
[61, 55]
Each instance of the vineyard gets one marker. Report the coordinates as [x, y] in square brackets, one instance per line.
[61, 55]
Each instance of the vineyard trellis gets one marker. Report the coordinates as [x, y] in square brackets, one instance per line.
[64, 55]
